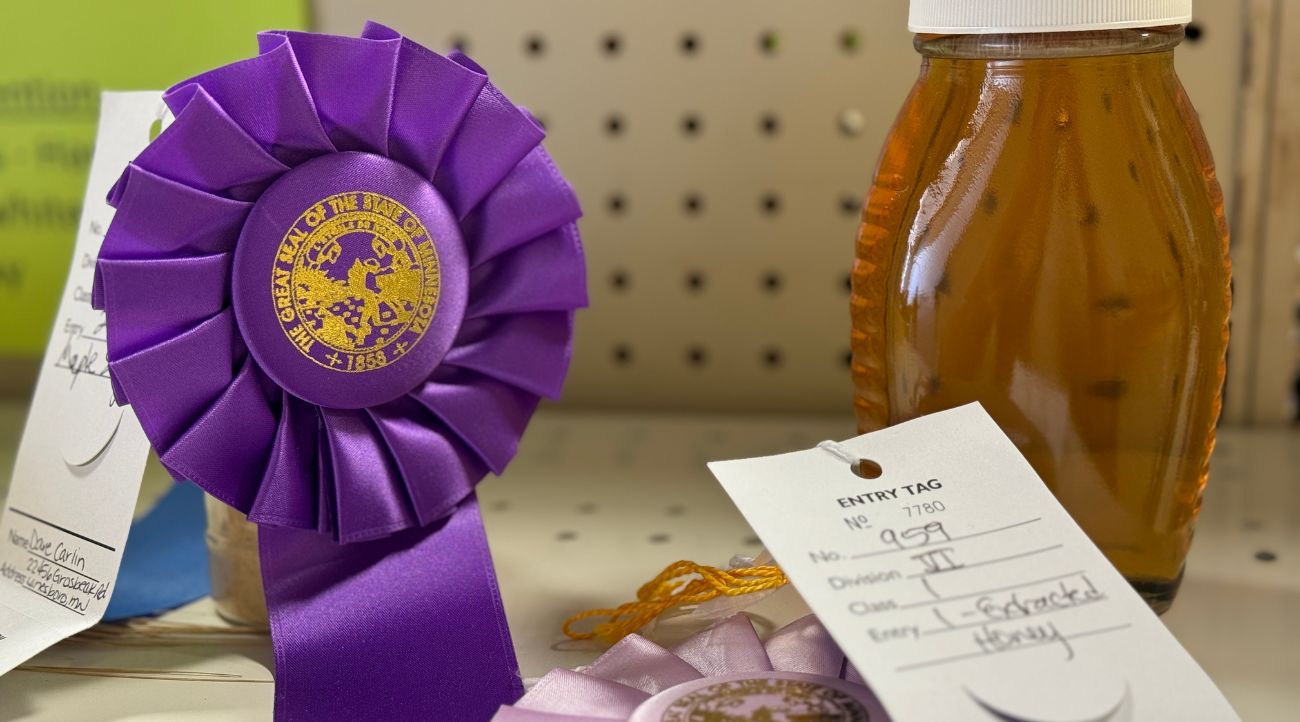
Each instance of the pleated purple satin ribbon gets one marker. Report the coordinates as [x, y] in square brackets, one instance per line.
[336, 288]
[406, 627]
[725, 668]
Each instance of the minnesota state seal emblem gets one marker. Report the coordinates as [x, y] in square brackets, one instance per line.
[355, 282]
[771, 698]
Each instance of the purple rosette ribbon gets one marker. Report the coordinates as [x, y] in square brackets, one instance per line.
[336, 288]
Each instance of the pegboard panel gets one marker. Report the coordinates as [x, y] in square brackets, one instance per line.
[1264, 362]
[720, 150]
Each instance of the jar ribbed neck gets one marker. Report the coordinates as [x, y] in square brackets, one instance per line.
[1018, 46]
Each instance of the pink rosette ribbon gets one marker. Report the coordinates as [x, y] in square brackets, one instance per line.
[336, 288]
[725, 672]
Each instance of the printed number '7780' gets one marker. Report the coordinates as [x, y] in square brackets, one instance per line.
[914, 510]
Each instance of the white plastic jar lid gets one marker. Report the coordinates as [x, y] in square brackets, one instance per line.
[971, 17]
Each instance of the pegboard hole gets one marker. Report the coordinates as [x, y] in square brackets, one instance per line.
[769, 124]
[847, 283]
[852, 122]
[696, 281]
[689, 43]
[614, 125]
[850, 205]
[867, 469]
[769, 42]
[459, 43]
[770, 204]
[692, 125]
[620, 280]
[622, 355]
[1194, 33]
[846, 358]
[535, 46]
[771, 282]
[773, 358]
[693, 204]
[617, 204]
[697, 356]
[850, 40]
[612, 44]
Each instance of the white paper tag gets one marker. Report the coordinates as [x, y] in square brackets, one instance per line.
[79, 466]
[959, 587]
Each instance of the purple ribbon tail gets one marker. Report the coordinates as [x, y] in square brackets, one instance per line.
[409, 626]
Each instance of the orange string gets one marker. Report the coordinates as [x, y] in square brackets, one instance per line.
[665, 592]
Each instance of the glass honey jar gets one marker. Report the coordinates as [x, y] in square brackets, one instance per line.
[1045, 235]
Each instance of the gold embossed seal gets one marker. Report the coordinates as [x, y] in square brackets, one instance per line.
[355, 282]
[763, 699]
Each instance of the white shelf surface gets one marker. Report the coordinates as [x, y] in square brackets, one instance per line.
[596, 504]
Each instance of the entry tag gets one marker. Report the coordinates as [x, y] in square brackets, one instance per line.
[79, 466]
[958, 586]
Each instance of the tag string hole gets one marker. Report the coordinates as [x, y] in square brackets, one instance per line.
[867, 469]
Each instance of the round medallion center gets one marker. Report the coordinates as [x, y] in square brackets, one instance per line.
[762, 696]
[356, 281]
[350, 280]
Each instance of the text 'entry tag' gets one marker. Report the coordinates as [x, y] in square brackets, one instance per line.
[957, 584]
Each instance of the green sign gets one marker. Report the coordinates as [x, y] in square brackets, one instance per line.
[55, 60]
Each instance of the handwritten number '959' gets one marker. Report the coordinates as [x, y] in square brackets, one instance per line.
[917, 536]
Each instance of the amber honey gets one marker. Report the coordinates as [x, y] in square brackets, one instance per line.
[1045, 235]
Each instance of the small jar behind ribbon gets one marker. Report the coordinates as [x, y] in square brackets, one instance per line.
[235, 565]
